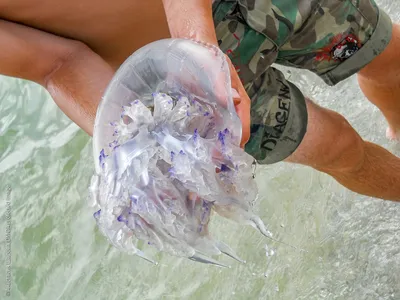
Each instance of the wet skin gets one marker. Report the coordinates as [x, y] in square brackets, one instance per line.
[113, 29]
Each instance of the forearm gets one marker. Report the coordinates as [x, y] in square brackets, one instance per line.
[191, 19]
[78, 85]
[29, 53]
[73, 74]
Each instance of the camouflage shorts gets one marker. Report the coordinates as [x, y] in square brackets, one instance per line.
[332, 38]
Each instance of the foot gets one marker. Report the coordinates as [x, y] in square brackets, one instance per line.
[392, 135]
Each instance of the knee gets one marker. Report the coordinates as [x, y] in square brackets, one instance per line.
[331, 144]
[385, 67]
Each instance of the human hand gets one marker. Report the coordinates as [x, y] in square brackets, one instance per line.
[193, 19]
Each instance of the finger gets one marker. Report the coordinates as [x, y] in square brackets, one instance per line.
[242, 103]
[235, 96]
[235, 82]
[243, 111]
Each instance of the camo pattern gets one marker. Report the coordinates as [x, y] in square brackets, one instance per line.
[317, 35]
[297, 33]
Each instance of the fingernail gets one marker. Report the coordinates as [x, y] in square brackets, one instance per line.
[235, 93]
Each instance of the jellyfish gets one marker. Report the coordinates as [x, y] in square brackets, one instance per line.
[167, 154]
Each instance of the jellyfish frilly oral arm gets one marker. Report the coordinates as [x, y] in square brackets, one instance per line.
[191, 19]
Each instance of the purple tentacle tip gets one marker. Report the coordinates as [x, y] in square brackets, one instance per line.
[224, 168]
[221, 137]
[96, 215]
[171, 171]
[133, 199]
[122, 219]
[102, 158]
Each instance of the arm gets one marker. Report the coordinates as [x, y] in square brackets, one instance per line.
[73, 74]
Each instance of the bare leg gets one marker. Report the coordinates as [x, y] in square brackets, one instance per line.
[332, 146]
[380, 82]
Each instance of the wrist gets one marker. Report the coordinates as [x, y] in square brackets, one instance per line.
[191, 19]
[198, 35]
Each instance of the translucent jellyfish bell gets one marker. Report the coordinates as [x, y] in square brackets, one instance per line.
[166, 149]
[170, 65]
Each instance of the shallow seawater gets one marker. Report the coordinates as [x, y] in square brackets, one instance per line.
[58, 253]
